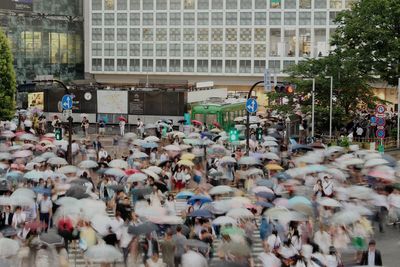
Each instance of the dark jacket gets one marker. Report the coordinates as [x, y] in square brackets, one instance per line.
[3, 219]
[378, 258]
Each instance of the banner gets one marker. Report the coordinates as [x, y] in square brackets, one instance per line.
[17, 5]
[36, 100]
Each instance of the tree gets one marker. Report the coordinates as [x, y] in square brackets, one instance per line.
[370, 33]
[351, 90]
[8, 82]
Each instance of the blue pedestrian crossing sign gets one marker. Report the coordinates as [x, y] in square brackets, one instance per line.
[251, 105]
[66, 102]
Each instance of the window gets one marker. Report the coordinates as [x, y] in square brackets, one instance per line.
[335, 4]
[202, 4]
[122, 34]
[147, 50]
[97, 5]
[332, 17]
[349, 3]
[287, 64]
[259, 66]
[217, 18]
[175, 19]
[109, 34]
[274, 66]
[97, 19]
[231, 34]
[175, 4]
[260, 4]
[109, 64]
[147, 5]
[216, 50]
[305, 18]
[216, 66]
[188, 34]
[96, 34]
[231, 4]
[134, 4]
[275, 3]
[147, 65]
[188, 4]
[290, 43]
[231, 18]
[202, 35]
[188, 18]
[96, 64]
[320, 18]
[122, 50]
[122, 4]
[320, 4]
[275, 41]
[161, 50]
[122, 65]
[230, 66]
[174, 65]
[134, 34]
[134, 65]
[320, 44]
[231, 50]
[260, 51]
[122, 19]
[202, 65]
[174, 50]
[109, 4]
[188, 65]
[134, 19]
[246, 4]
[161, 35]
[188, 50]
[202, 18]
[147, 19]
[161, 19]
[134, 50]
[109, 19]
[216, 35]
[245, 50]
[245, 18]
[217, 4]
[305, 4]
[175, 34]
[274, 18]
[290, 4]
[290, 18]
[260, 18]
[260, 34]
[245, 66]
[108, 49]
[245, 34]
[161, 4]
[147, 34]
[305, 42]
[97, 49]
[161, 65]
[202, 50]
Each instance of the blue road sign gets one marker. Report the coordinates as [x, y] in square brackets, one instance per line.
[380, 122]
[373, 120]
[251, 105]
[66, 102]
[380, 133]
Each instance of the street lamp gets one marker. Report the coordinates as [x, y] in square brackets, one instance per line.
[313, 105]
[330, 107]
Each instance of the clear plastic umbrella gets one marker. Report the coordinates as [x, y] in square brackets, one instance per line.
[239, 213]
[118, 163]
[57, 161]
[103, 254]
[8, 247]
[137, 177]
[221, 189]
[88, 164]
[68, 169]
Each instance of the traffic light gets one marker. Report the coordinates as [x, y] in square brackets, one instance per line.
[259, 133]
[233, 135]
[285, 88]
[279, 88]
[58, 134]
[290, 89]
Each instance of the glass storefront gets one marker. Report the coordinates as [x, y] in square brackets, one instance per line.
[48, 40]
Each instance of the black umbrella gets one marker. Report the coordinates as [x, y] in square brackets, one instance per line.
[51, 238]
[77, 192]
[264, 204]
[78, 181]
[142, 229]
[196, 243]
[5, 185]
[161, 186]
[163, 163]
[141, 191]
[9, 231]
[182, 121]
[265, 195]
[201, 213]
[116, 187]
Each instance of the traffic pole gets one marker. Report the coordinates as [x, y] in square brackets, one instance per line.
[248, 119]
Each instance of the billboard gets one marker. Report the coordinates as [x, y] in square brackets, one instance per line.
[17, 5]
[112, 102]
[36, 100]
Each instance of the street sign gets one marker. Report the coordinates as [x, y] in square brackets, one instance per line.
[380, 133]
[66, 102]
[380, 109]
[67, 113]
[373, 120]
[380, 121]
[267, 81]
[251, 105]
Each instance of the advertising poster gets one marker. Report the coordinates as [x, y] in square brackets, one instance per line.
[36, 100]
[17, 5]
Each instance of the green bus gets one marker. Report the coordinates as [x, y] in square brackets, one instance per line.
[223, 113]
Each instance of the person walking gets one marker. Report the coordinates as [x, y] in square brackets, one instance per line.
[168, 249]
[372, 256]
[45, 211]
[140, 128]
[122, 127]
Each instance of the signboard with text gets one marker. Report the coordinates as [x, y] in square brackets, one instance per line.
[17, 5]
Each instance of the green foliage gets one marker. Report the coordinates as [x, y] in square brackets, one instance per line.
[344, 142]
[8, 82]
[370, 34]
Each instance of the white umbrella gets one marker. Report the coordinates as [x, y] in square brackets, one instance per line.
[22, 200]
[270, 156]
[50, 135]
[103, 253]
[270, 143]
[254, 171]
[170, 220]
[248, 161]
[155, 169]
[62, 143]
[57, 161]
[118, 163]
[5, 201]
[333, 149]
[8, 247]
[172, 148]
[329, 202]
[336, 173]
[151, 212]
[194, 135]
[227, 159]
[28, 137]
[8, 134]
[90, 207]
[152, 139]
[13, 148]
[345, 217]
[24, 192]
[239, 202]
[238, 213]
[68, 169]
[372, 156]
[259, 189]
[353, 161]
[221, 189]
[139, 155]
[222, 220]
[22, 154]
[5, 156]
[67, 201]
[270, 138]
[375, 162]
[277, 213]
[130, 136]
[101, 223]
[88, 164]
[115, 172]
[360, 192]
[48, 155]
[33, 175]
[151, 174]
[137, 177]
[38, 159]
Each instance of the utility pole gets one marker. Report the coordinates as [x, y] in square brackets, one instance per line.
[248, 119]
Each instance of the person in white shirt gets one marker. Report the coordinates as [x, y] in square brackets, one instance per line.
[267, 258]
[193, 259]
[102, 153]
[273, 240]
[327, 186]
[140, 127]
[18, 218]
[323, 240]
[122, 127]
[45, 211]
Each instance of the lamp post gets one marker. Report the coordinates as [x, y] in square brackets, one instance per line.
[248, 119]
[312, 105]
[330, 107]
[398, 117]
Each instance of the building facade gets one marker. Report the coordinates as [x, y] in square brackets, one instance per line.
[46, 37]
[226, 41]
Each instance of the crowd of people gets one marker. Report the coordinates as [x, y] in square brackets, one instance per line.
[191, 199]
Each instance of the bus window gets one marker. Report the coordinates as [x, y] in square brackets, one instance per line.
[210, 118]
[199, 117]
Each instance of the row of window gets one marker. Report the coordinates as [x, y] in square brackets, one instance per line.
[189, 65]
[215, 18]
[190, 35]
[217, 4]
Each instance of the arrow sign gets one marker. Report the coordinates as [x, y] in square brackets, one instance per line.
[66, 102]
[251, 105]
